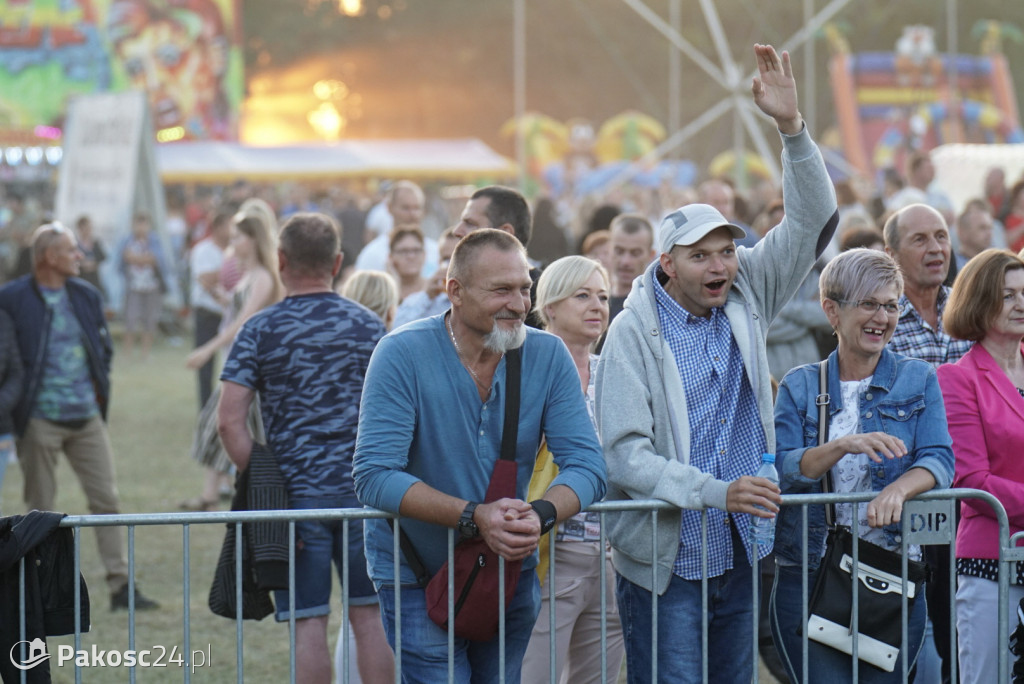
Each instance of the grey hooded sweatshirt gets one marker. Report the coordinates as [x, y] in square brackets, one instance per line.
[641, 404]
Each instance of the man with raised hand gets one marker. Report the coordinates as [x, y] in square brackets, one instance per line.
[685, 410]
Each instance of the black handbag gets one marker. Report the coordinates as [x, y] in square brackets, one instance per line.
[879, 582]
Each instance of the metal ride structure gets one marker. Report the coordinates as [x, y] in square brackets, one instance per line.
[727, 74]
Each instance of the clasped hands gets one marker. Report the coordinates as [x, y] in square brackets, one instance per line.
[510, 527]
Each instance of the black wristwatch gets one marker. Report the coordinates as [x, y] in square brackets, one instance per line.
[467, 528]
[547, 513]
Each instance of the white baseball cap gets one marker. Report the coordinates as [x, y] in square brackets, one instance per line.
[688, 225]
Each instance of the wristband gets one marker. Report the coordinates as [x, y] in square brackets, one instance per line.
[547, 512]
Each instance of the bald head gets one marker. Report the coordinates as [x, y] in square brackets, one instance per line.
[903, 220]
[46, 236]
[406, 203]
[917, 237]
[974, 228]
[55, 254]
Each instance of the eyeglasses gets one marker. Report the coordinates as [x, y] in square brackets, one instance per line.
[408, 251]
[869, 306]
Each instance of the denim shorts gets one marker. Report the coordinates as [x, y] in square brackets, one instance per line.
[318, 543]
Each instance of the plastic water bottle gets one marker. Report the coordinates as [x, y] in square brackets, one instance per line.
[762, 530]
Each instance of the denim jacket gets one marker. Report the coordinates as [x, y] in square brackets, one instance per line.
[902, 400]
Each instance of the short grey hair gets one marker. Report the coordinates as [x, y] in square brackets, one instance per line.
[45, 236]
[563, 277]
[856, 273]
[465, 255]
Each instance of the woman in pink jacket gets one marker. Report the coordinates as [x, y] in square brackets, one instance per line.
[984, 397]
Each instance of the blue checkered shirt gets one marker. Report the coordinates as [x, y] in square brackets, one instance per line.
[726, 436]
[915, 338]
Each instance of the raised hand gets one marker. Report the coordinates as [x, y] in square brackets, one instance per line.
[775, 89]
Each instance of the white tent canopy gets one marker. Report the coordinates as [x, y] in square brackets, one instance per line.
[222, 162]
[960, 169]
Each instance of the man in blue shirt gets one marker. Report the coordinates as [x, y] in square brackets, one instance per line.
[430, 432]
[306, 356]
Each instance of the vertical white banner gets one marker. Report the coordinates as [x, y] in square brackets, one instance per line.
[108, 173]
[99, 169]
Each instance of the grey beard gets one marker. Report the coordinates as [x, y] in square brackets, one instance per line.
[500, 340]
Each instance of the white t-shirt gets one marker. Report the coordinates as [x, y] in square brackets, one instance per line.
[852, 473]
[206, 257]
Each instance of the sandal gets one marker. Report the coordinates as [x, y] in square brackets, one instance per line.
[198, 505]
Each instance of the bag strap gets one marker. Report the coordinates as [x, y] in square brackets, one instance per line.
[510, 431]
[823, 400]
[412, 558]
[509, 437]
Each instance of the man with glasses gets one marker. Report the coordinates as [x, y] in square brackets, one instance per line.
[65, 350]
[405, 205]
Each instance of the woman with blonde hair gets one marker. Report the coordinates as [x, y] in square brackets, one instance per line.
[376, 290]
[572, 303]
[254, 244]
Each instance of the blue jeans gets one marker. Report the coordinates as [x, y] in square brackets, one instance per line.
[824, 664]
[425, 645]
[730, 627]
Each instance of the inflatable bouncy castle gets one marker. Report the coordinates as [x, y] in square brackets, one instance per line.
[914, 98]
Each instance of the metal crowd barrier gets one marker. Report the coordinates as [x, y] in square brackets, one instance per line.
[928, 519]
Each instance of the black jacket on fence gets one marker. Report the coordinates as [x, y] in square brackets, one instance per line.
[260, 487]
[49, 553]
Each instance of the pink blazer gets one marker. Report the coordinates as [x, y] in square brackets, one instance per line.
[986, 421]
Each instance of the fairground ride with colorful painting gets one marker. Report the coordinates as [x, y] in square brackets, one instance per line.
[888, 104]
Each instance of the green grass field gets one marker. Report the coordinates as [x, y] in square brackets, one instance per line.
[152, 414]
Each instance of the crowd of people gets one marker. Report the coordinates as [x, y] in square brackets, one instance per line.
[373, 353]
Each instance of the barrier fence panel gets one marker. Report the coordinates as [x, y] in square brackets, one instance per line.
[928, 519]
